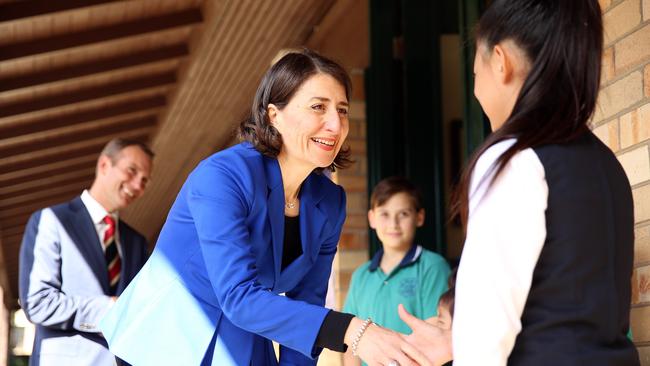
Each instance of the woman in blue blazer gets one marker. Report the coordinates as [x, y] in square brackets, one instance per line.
[253, 222]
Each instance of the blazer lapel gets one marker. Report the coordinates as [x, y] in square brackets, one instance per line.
[312, 219]
[275, 207]
[81, 229]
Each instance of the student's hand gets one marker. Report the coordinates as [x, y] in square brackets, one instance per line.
[378, 345]
[429, 344]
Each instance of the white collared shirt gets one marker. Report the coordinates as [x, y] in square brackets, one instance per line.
[97, 213]
[505, 235]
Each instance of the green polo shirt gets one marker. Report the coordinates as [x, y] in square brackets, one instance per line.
[417, 283]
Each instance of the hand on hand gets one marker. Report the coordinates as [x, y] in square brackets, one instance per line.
[429, 344]
[380, 346]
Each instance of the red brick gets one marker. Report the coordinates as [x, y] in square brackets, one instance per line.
[354, 240]
[356, 221]
[357, 203]
[357, 146]
[352, 183]
[358, 89]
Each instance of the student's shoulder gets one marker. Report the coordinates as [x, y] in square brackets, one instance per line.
[433, 260]
[432, 256]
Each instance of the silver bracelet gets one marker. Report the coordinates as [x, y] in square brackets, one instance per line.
[357, 337]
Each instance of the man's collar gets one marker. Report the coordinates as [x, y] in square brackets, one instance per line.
[411, 257]
[95, 209]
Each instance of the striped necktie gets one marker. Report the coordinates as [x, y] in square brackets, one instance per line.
[112, 256]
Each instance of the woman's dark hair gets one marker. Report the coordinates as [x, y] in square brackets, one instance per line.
[563, 42]
[388, 187]
[278, 86]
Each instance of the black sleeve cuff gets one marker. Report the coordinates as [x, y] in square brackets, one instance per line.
[332, 332]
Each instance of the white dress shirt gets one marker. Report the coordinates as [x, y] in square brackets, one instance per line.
[505, 234]
[97, 213]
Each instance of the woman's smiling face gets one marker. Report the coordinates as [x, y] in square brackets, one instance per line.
[314, 124]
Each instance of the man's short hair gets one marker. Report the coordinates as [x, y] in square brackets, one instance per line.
[114, 147]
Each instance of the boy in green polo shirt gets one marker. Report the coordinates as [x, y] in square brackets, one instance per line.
[401, 272]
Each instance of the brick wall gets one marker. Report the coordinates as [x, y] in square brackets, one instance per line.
[353, 247]
[622, 121]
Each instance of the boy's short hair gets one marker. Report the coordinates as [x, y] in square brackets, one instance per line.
[391, 186]
[448, 298]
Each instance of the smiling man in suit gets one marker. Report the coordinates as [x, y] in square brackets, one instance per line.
[78, 256]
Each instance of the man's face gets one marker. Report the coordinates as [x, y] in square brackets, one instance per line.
[124, 180]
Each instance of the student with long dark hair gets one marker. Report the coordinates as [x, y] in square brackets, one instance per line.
[544, 277]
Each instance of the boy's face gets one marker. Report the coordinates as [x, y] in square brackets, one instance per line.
[396, 221]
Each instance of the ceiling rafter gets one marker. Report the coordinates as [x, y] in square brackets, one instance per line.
[27, 9]
[10, 130]
[86, 94]
[94, 67]
[36, 197]
[28, 146]
[45, 183]
[101, 34]
[65, 152]
[47, 170]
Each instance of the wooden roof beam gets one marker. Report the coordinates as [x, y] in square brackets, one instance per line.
[94, 67]
[28, 9]
[59, 153]
[101, 34]
[31, 145]
[38, 198]
[86, 94]
[72, 176]
[10, 130]
[49, 170]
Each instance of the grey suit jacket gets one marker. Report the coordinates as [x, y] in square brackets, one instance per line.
[64, 286]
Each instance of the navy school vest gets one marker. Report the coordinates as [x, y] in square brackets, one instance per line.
[577, 311]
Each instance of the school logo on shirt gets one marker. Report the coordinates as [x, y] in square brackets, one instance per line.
[408, 287]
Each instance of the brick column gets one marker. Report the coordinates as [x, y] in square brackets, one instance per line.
[622, 121]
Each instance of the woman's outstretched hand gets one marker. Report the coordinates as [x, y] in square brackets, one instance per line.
[378, 346]
[429, 344]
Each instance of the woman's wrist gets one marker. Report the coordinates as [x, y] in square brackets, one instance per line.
[355, 323]
[355, 332]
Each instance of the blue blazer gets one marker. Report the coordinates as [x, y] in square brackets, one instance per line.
[210, 293]
[63, 284]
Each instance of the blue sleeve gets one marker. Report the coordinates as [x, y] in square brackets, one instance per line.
[219, 205]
